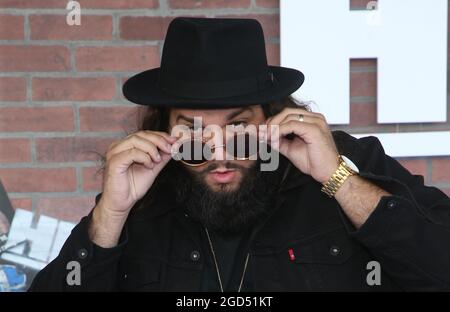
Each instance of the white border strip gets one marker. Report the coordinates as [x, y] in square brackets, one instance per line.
[413, 144]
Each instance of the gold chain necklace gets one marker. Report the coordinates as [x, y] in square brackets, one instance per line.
[217, 266]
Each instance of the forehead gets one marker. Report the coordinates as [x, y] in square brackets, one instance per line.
[217, 114]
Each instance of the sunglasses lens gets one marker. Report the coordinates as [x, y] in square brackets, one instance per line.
[242, 146]
[192, 152]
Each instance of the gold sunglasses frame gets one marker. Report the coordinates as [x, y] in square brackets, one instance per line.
[213, 147]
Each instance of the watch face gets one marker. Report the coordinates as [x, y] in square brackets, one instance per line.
[350, 163]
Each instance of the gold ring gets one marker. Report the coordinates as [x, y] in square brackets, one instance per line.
[301, 117]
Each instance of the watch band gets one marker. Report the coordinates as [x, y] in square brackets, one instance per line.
[337, 179]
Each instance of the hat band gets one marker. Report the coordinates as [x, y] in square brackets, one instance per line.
[214, 90]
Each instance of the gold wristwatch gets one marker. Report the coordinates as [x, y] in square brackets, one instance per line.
[346, 168]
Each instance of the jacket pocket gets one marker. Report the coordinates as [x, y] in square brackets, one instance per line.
[329, 261]
[140, 275]
[331, 248]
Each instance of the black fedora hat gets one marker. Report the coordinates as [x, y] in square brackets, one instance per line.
[212, 63]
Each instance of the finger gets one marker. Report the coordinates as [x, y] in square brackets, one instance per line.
[113, 144]
[165, 135]
[294, 111]
[145, 134]
[311, 118]
[182, 138]
[161, 142]
[139, 143]
[176, 151]
[127, 157]
[304, 130]
[180, 130]
[276, 119]
[305, 118]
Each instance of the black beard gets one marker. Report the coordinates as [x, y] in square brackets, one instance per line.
[228, 212]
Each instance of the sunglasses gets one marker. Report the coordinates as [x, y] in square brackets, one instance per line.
[197, 151]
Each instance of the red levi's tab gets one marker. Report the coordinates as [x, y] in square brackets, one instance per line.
[291, 254]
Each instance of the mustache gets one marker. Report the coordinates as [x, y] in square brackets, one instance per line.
[227, 165]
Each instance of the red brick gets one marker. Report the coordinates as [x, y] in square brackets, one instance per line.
[34, 58]
[69, 208]
[415, 166]
[273, 53]
[24, 4]
[94, 4]
[440, 169]
[74, 89]
[92, 179]
[363, 84]
[36, 119]
[115, 58]
[269, 22]
[13, 89]
[355, 63]
[15, 150]
[55, 27]
[39, 179]
[359, 3]
[363, 114]
[144, 27]
[71, 149]
[268, 3]
[117, 119]
[120, 4]
[22, 203]
[11, 27]
[208, 4]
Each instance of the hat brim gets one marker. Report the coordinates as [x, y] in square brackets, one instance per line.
[143, 89]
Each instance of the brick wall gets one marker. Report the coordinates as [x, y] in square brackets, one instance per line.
[60, 91]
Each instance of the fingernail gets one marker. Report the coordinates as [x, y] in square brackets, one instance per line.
[168, 146]
[158, 157]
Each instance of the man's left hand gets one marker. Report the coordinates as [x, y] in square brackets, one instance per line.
[312, 150]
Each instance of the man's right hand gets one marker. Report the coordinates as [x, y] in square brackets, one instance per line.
[132, 165]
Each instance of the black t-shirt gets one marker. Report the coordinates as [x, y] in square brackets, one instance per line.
[231, 253]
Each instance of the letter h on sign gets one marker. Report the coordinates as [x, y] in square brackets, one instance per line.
[409, 40]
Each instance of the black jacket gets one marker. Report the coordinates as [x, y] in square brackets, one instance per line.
[161, 249]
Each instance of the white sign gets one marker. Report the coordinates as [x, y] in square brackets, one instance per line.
[45, 240]
[407, 37]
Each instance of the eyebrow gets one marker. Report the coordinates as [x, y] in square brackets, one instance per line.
[238, 112]
[188, 119]
[228, 117]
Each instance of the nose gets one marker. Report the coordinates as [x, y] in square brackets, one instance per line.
[216, 142]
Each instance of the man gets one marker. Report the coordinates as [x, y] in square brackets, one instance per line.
[336, 213]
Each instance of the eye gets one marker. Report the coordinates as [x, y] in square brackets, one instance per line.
[242, 123]
[191, 127]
